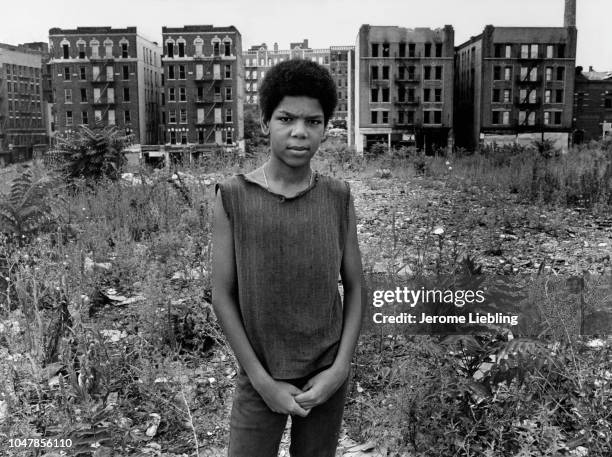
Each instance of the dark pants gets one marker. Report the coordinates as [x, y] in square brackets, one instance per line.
[256, 431]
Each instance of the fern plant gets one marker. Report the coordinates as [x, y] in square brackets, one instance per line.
[26, 211]
[94, 153]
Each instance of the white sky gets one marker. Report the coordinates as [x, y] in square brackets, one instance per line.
[322, 22]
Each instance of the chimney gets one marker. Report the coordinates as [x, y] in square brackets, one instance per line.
[275, 47]
[569, 19]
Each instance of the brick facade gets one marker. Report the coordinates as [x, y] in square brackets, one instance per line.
[342, 68]
[108, 75]
[515, 84]
[404, 86]
[22, 121]
[592, 105]
[203, 86]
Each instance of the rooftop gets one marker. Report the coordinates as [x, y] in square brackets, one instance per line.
[597, 75]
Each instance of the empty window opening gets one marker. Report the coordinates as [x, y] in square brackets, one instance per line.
[560, 73]
[385, 49]
[385, 95]
[561, 51]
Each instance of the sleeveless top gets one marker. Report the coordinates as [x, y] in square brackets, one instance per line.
[288, 254]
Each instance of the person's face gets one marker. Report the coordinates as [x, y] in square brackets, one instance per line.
[296, 130]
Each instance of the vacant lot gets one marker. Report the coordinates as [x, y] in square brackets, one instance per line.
[108, 338]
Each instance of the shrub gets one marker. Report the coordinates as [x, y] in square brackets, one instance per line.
[93, 153]
[27, 210]
[546, 148]
[421, 163]
[377, 149]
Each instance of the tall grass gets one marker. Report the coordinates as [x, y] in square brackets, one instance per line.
[582, 177]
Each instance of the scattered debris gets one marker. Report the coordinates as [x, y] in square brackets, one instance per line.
[153, 424]
[113, 335]
[3, 410]
[438, 231]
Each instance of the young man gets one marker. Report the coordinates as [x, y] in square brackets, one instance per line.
[282, 235]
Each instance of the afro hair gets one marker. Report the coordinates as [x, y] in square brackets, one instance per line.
[297, 77]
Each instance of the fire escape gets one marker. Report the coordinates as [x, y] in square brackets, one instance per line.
[407, 83]
[529, 83]
[104, 81]
[209, 100]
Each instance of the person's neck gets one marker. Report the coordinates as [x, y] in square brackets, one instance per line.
[284, 175]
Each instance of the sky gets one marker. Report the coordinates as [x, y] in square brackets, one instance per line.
[322, 22]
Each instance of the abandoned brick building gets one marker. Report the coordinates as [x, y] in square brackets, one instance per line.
[109, 75]
[592, 105]
[339, 60]
[22, 104]
[342, 69]
[516, 84]
[203, 86]
[404, 88]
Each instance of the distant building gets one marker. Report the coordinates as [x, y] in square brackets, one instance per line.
[516, 84]
[258, 60]
[108, 75]
[592, 105]
[203, 86]
[342, 69]
[404, 87]
[22, 120]
[43, 48]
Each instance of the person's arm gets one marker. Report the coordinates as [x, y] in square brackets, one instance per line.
[278, 395]
[323, 385]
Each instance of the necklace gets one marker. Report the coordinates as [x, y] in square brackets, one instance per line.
[268, 185]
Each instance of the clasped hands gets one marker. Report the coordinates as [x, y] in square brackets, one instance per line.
[284, 398]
